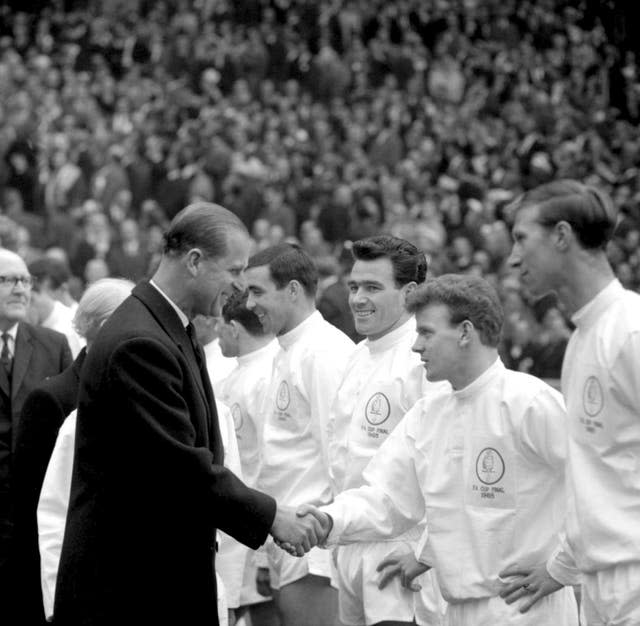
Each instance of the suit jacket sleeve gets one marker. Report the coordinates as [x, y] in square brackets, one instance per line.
[149, 379]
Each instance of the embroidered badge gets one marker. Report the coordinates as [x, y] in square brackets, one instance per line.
[489, 466]
[283, 397]
[592, 397]
[377, 409]
[236, 414]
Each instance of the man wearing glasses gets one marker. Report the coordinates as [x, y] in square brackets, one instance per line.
[28, 355]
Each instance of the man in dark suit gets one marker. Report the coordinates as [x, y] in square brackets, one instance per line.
[149, 488]
[28, 355]
[44, 411]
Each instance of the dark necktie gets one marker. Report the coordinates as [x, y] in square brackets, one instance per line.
[197, 348]
[5, 355]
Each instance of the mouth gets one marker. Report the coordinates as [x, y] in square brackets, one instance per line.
[363, 314]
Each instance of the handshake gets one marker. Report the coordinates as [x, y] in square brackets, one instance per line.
[297, 531]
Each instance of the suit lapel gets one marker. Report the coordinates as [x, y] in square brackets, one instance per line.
[4, 383]
[21, 357]
[170, 322]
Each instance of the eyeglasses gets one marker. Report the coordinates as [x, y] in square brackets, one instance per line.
[12, 281]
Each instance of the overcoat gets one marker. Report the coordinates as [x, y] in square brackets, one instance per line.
[149, 489]
[38, 354]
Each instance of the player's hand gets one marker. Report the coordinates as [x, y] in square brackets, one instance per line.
[324, 519]
[263, 582]
[532, 584]
[405, 566]
[294, 533]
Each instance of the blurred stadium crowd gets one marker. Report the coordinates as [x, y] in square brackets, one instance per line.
[321, 121]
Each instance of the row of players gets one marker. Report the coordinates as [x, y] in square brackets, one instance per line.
[452, 485]
[443, 480]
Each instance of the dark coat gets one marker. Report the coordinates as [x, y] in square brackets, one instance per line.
[39, 353]
[148, 488]
[45, 408]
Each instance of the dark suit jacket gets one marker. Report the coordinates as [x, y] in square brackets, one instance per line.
[45, 408]
[148, 488]
[39, 353]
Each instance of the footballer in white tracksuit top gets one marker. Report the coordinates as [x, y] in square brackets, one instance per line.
[601, 384]
[383, 380]
[486, 463]
[295, 469]
[243, 391]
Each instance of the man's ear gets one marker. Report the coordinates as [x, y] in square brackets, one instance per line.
[467, 330]
[194, 259]
[294, 289]
[408, 289]
[563, 235]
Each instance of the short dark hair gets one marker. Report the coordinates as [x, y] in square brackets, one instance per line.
[235, 308]
[409, 264]
[467, 298]
[201, 225]
[590, 212]
[49, 269]
[288, 262]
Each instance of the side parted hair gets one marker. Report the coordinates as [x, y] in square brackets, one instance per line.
[49, 269]
[98, 302]
[409, 264]
[590, 212]
[201, 225]
[467, 298]
[288, 262]
[235, 308]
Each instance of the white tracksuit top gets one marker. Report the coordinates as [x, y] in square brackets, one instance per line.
[243, 391]
[307, 371]
[486, 463]
[601, 384]
[382, 381]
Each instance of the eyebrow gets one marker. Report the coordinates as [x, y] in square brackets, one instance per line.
[365, 282]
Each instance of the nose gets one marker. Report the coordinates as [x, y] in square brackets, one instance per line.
[514, 258]
[418, 345]
[239, 282]
[358, 296]
[250, 301]
[19, 286]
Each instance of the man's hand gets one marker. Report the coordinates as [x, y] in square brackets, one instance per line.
[325, 521]
[405, 566]
[295, 534]
[532, 583]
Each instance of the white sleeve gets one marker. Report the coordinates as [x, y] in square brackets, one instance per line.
[423, 552]
[321, 377]
[625, 370]
[561, 565]
[391, 502]
[337, 434]
[544, 433]
[543, 430]
[52, 510]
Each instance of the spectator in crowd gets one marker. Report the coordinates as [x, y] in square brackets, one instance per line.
[357, 117]
[49, 279]
[29, 355]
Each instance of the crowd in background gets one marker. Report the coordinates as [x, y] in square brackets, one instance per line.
[321, 121]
